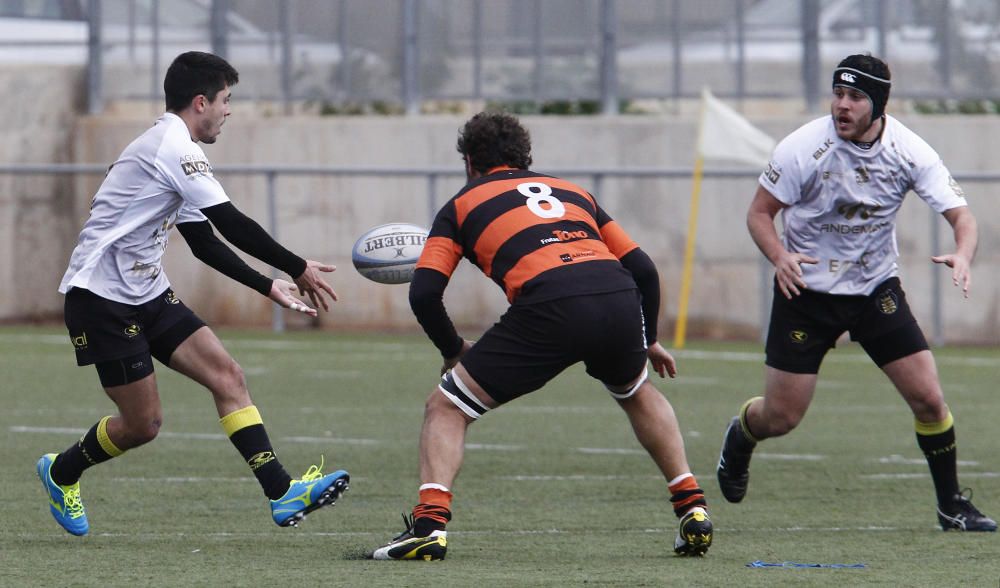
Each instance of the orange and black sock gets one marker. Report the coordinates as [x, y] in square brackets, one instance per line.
[937, 441]
[685, 494]
[246, 431]
[434, 510]
[93, 448]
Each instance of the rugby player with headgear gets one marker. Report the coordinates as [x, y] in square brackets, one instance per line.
[838, 183]
[580, 290]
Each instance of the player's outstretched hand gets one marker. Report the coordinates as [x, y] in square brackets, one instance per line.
[663, 362]
[312, 284]
[281, 292]
[961, 274]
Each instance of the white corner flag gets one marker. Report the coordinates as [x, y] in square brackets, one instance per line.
[726, 135]
[723, 134]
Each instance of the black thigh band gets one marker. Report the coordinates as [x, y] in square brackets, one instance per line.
[119, 372]
[896, 344]
[164, 344]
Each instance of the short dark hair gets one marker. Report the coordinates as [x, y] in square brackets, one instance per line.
[492, 139]
[196, 73]
[867, 63]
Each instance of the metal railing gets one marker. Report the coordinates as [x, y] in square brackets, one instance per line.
[432, 177]
[536, 51]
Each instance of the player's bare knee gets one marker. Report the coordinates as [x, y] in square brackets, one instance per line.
[233, 375]
[139, 432]
[781, 423]
[229, 382]
[929, 408]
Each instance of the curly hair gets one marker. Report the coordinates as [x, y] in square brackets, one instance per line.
[492, 139]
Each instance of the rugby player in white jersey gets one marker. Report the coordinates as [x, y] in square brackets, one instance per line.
[838, 183]
[121, 311]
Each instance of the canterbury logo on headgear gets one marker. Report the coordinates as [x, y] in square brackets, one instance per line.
[876, 88]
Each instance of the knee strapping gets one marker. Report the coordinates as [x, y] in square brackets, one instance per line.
[458, 392]
[623, 392]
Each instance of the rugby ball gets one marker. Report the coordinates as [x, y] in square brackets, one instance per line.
[388, 254]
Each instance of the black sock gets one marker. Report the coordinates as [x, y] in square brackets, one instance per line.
[255, 447]
[942, 458]
[428, 518]
[246, 431]
[93, 448]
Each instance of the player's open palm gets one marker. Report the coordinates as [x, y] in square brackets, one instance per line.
[312, 284]
[282, 293]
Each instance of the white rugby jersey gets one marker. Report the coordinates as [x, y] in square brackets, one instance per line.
[160, 179]
[842, 200]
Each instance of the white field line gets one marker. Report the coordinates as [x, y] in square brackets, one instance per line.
[917, 476]
[899, 459]
[493, 447]
[201, 436]
[362, 349]
[761, 455]
[301, 535]
[744, 356]
[362, 441]
[576, 478]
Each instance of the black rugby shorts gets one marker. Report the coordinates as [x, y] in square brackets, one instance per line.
[533, 343]
[104, 330]
[804, 328]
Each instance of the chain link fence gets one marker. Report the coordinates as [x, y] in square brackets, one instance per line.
[582, 56]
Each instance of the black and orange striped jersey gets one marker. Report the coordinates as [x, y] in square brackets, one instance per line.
[538, 237]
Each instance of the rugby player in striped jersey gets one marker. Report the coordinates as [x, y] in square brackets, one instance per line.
[580, 290]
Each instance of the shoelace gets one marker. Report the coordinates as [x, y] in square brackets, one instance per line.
[964, 502]
[72, 500]
[408, 521]
[314, 472]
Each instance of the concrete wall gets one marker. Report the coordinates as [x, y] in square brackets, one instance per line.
[36, 229]
[320, 218]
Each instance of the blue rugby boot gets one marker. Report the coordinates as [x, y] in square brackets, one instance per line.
[64, 501]
[312, 491]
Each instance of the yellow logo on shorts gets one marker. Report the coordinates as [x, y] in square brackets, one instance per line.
[171, 298]
[798, 336]
[887, 303]
[132, 330]
[79, 341]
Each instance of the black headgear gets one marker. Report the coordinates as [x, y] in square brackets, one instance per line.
[875, 88]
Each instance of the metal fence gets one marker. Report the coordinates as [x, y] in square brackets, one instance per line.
[578, 55]
[597, 177]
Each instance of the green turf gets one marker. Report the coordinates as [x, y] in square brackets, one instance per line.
[554, 490]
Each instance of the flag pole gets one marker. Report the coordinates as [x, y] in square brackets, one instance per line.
[680, 332]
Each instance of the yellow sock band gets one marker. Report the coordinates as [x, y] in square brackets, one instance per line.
[240, 419]
[927, 429]
[743, 419]
[102, 437]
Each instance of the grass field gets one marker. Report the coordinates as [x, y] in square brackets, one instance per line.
[555, 491]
